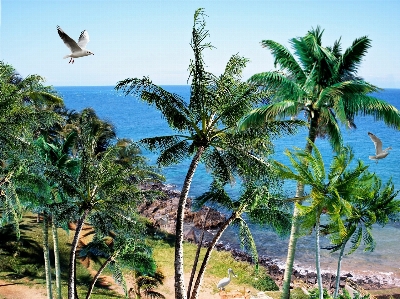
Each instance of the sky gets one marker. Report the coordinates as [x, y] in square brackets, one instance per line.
[139, 38]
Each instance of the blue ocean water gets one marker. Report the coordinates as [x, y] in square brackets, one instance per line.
[135, 119]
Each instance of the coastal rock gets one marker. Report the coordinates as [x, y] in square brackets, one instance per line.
[166, 205]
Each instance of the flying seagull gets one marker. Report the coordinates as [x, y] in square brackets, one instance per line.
[379, 153]
[77, 49]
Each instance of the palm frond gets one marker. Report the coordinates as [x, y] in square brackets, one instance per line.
[260, 116]
[216, 195]
[173, 107]
[278, 85]
[367, 105]
[246, 240]
[353, 56]
[285, 59]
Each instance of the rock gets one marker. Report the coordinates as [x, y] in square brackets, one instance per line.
[167, 204]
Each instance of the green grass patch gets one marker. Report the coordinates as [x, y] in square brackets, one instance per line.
[217, 268]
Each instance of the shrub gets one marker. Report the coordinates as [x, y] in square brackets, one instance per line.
[263, 282]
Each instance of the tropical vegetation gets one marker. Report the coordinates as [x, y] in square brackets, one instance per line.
[323, 84]
[343, 196]
[71, 170]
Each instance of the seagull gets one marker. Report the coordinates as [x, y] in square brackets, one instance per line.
[225, 281]
[77, 49]
[379, 153]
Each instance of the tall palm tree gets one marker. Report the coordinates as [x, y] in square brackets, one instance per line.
[205, 126]
[322, 83]
[257, 204]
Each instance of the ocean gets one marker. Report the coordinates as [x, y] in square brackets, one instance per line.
[135, 119]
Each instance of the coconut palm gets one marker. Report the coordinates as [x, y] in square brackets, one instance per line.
[372, 203]
[322, 83]
[25, 106]
[330, 192]
[205, 126]
[257, 203]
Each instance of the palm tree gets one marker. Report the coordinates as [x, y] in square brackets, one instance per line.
[25, 108]
[329, 193]
[256, 203]
[322, 83]
[104, 189]
[371, 204]
[56, 155]
[205, 126]
[145, 285]
[122, 247]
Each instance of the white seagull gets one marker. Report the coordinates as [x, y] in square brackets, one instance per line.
[77, 49]
[379, 153]
[225, 281]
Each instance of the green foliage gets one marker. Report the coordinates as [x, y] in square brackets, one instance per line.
[323, 83]
[25, 109]
[346, 295]
[264, 282]
[145, 285]
[331, 192]
[298, 293]
[372, 203]
[314, 294]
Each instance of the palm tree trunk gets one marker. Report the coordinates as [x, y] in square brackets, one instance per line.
[97, 276]
[294, 232]
[72, 260]
[207, 256]
[56, 260]
[196, 259]
[318, 258]
[179, 272]
[337, 283]
[46, 253]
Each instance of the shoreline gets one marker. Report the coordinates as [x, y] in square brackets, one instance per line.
[301, 276]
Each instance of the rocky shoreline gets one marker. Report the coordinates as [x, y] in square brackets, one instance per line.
[162, 212]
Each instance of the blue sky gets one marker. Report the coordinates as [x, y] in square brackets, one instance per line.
[139, 38]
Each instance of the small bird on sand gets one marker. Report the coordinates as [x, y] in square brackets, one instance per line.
[379, 152]
[77, 49]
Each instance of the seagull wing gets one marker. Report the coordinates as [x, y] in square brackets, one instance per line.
[83, 39]
[69, 42]
[377, 142]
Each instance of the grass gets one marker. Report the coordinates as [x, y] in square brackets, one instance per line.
[247, 278]
[22, 261]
